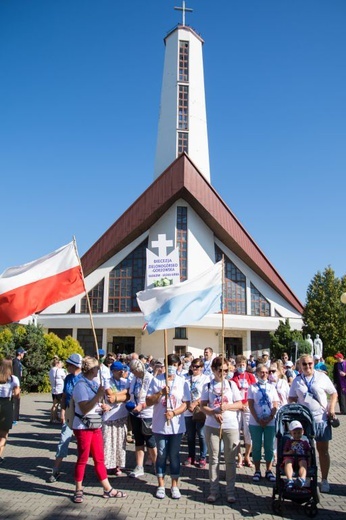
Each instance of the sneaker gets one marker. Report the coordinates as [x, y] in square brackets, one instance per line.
[325, 487]
[137, 472]
[54, 477]
[189, 462]
[160, 492]
[202, 463]
[299, 483]
[289, 485]
[175, 493]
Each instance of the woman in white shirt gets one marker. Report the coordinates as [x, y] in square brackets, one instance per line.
[263, 403]
[170, 402]
[220, 401]
[88, 397]
[56, 377]
[9, 390]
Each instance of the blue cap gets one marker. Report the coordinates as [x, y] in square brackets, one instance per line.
[117, 366]
[101, 352]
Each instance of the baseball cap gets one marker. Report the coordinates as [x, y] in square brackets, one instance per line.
[20, 350]
[265, 353]
[75, 359]
[288, 364]
[339, 356]
[117, 366]
[294, 425]
[316, 356]
[101, 352]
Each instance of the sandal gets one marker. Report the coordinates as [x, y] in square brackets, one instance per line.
[78, 497]
[247, 464]
[257, 476]
[114, 493]
[270, 476]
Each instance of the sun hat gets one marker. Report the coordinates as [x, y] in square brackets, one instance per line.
[294, 425]
[75, 359]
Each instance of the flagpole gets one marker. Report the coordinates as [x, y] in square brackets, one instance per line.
[222, 333]
[88, 301]
[165, 339]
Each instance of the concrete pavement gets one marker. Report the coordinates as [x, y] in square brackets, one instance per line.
[29, 455]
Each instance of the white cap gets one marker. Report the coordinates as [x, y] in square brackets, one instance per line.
[294, 425]
[316, 356]
[265, 353]
[288, 364]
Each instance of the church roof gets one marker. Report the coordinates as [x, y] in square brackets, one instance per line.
[182, 180]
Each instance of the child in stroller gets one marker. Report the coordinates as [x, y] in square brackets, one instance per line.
[296, 454]
[296, 457]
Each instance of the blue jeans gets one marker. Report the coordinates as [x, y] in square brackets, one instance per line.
[65, 437]
[192, 428]
[168, 446]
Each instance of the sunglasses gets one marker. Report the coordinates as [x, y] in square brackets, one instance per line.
[224, 371]
[196, 366]
[307, 364]
[270, 372]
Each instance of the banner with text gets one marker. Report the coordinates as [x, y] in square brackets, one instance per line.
[163, 267]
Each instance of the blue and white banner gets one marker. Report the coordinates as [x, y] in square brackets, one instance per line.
[183, 303]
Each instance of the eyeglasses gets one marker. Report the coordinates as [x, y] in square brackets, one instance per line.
[224, 371]
[196, 366]
[307, 364]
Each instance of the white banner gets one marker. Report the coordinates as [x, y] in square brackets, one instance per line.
[163, 267]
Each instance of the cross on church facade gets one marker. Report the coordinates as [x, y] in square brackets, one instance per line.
[162, 245]
[184, 9]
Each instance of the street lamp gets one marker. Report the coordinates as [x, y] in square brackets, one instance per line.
[343, 298]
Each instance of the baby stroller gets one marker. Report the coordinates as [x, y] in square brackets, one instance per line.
[309, 494]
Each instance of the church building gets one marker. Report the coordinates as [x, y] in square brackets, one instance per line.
[180, 210]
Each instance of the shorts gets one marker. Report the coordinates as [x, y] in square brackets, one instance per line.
[294, 461]
[323, 432]
[56, 398]
[140, 439]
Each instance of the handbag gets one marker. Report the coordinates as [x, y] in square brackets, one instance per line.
[334, 423]
[198, 415]
[92, 421]
[147, 426]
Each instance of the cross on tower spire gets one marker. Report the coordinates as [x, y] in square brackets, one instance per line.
[185, 10]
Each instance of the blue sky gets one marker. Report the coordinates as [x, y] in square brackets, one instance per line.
[79, 102]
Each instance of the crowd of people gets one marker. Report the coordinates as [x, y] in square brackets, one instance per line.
[109, 400]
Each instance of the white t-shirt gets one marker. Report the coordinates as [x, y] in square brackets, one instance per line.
[196, 384]
[6, 389]
[263, 396]
[282, 388]
[138, 393]
[84, 391]
[318, 385]
[56, 378]
[118, 410]
[212, 394]
[179, 393]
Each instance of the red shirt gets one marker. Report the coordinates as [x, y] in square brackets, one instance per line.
[243, 381]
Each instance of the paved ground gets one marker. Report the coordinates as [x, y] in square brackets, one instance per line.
[24, 493]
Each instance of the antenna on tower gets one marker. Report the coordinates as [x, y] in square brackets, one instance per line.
[185, 10]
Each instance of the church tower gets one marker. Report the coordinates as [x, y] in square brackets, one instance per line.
[183, 120]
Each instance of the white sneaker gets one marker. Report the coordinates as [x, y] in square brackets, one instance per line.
[175, 493]
[325, 487]
[137, 472]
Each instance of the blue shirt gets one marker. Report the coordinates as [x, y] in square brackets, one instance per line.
[69, 384]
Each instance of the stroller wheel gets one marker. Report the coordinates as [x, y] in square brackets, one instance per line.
[277, 506]
[311, 509]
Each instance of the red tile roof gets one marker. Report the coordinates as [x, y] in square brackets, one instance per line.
[182, 180]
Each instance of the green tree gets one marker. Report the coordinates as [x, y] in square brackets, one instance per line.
[284, 339]
[324, 314]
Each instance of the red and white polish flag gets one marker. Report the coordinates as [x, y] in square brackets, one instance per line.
[28, 289]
